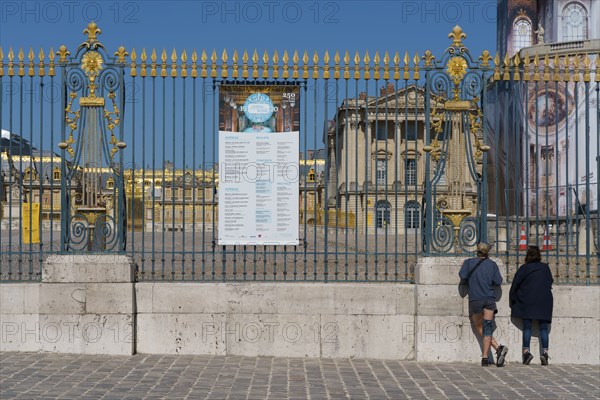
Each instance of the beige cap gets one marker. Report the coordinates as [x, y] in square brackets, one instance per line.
[483, 249]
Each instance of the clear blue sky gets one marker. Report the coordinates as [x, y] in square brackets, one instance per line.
[393, 25]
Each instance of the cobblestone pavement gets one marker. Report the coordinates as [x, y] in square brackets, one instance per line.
[59, 376]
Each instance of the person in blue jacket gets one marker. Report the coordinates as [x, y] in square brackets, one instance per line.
[530, 298]
[483, 275]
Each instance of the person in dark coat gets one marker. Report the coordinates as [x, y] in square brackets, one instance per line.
[530, 298]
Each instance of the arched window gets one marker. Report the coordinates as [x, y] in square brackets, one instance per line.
[574, 22]
[56, 174]
[412, 215]
[522, 36]
[382, 213]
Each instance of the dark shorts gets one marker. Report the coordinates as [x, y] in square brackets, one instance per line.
[477, 306]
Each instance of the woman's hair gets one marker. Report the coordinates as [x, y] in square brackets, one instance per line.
[533, 255]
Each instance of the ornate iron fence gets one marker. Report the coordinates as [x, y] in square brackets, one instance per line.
[399, 158]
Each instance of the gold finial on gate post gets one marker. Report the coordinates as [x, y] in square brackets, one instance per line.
[457, 35]
[576, 71]
[143, 63]
[346, 65]
[92, 31]
[326, 65]
[51, 71]
[367, 59]
[194, 64]
[234, 60]
[11, 64]
[305, 65]
[245, 65]
[526, 71]
[203, 58]
[255, 64]
[315, 60]
[556, 69]
[275, 59]
[597, 72]
[1, 62]
[506, 63]
[153, 63]
[497, 67]
[386, 66]
[416, 75]
[336, 65]
[31, 57]
[224, 67]
[586, 68]
[517, 63]
[356, 65]
[184, 65]
[41, 57]
[163, 65]
[21, 57]
[133, 66]
[396, 66]
[406, 75]
[546, 76]
[536, 67]
[285, 59]
[376, 60]
[213, 64]
[265, 58]
[295, 60]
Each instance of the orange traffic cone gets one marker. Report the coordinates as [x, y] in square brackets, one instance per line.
[523, 239]
[547, 243]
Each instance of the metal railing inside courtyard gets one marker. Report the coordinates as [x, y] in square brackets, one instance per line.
[400, 157]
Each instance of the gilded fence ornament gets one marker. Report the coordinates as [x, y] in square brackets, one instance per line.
[406, 75]
[194, 64]
[121, 54]
[62, 54]
[567, 69]
[497, 67]
[235, 59]
[92, 31]
[526, 70]
[143, 64]
[597, 72]
[203, 66]
[356, 65]
[184, 66]
[396, 66]
[11, 64]
[386, 66]
[416, 74]
[224, 67]
[336, 67]
[556, 69]
[255, 65]
[1, 62]
[213, 64]
[31, 56]
[517, 66]
[113, 120]
[586, 68]
[428, 57]
[367, 59]
[163, 65]
[51, 71]
[346, 65]
[305, 65]
[285, 59]
[326, 65]
[536, 68]
[91, 63]
[21, 57]
[275, 59]
[546, 76]
[245, 65]
[315, 61]
[376, 66]
[41, 57]
[133, 65]
[71, 122]
[265, 60]
[506, 67]
[457, 35]
[457, 68]
[295, 60]
[485, 58]
[173, 64]
[576, 71]
[153, 63]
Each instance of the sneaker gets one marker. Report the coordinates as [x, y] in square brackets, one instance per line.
[501, 355]
[485, 362]
[544, 357]
[527, 357]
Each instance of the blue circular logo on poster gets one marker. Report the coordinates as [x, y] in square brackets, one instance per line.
[258, 108]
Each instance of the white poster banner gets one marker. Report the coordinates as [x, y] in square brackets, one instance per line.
[258, 188]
